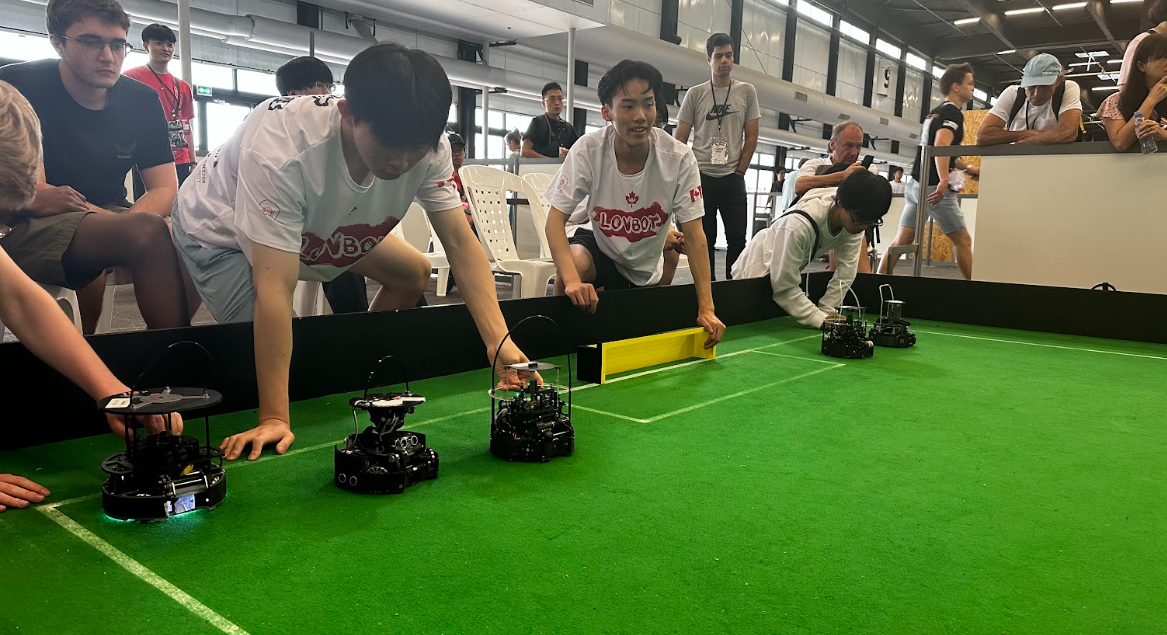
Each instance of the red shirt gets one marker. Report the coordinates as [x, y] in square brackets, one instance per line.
[177, 105]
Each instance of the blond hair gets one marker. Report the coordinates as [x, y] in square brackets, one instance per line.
[20, 156]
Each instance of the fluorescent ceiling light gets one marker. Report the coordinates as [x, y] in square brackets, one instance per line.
[1105, 88]
[1068, 6]
[1009, 52]
[1073, 64]
[964, 21]
[1114, 61]
[1024, 11]
[1123, 1]
[1092, 54]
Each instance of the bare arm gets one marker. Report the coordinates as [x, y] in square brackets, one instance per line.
[161, 182]
[751, 144]
[582, 294]
[696, 248]
[1121, 133]
[41, 326]
[529, 151]
[476, 282]
[804, 184]
[274, 273]
[684, 128]
[1065, 132]
[994, 132]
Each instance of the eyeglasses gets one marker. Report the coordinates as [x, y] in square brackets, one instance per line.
[328, 86]
[553, 100]
[865, 223]
[95, 45]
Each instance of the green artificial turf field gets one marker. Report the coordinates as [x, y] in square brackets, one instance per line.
[985, 481]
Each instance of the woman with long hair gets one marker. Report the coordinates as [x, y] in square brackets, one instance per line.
[1146, 92]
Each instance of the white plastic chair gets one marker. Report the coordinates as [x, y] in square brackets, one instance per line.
[416, 230]
[66, 299]
[118, 278]
[486, 190]
[539, 182]
[308, 299]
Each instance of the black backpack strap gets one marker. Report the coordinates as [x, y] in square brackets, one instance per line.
[1018, 102]
[813, 225]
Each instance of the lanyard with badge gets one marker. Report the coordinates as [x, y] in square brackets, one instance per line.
[174, 126]
[720, 155]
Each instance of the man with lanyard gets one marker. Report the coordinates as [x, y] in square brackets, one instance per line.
[723, 151]
[548, 136]
[944, 126]
[175, 95]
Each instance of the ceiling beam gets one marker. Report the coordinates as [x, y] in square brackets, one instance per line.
[1098, 11]
[993, 22]
[1045, 39]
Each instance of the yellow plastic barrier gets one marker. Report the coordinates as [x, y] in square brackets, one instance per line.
[598, 361]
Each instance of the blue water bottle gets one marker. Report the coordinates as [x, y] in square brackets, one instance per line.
[1146, 144]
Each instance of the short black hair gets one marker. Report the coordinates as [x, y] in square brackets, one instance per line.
[953, 75]
[1157, 12]
[716, 40]
[866, 195]
[624, 72]
[514, 135]
[158, 32]
[894, 169]
[550, 86]
[402, 93]
[62, 14]
[301, 73]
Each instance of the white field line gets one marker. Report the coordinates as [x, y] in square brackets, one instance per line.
[1065, 348]
[743, 392]
[139, 570]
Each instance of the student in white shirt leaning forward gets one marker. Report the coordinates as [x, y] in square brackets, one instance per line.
[824, 219]
[636, 179]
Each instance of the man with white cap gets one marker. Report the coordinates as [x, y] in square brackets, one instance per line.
[1045, 108]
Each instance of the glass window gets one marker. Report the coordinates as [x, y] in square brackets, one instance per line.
[18, 46]
[938, 71]
[854, 32]
[256, 82]
[980, 94]
[815, 13]
[213, 75]
[916, 61]
[135, 59]
[338, 89]
[888, 48]
[222, 120]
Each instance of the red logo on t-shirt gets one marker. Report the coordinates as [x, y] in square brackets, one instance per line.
[346, 245]
[632, 198]
[645, 222]
[694, 195]
[269, 209]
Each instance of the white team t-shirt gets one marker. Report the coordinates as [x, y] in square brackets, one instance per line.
[281, 181]
[1035, 117]
[630, 213]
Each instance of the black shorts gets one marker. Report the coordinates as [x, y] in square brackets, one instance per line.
[607, 275]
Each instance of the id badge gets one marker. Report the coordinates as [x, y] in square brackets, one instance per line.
[177, 131]
[720, 152]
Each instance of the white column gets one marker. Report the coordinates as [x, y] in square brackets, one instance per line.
[184, 40]
[569, 116]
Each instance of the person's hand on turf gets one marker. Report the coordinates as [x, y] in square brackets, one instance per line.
[713, 326]
[937, 194]
[268, 431]
[583, 295]
[509, 378]
[17, 492]
[154, 424]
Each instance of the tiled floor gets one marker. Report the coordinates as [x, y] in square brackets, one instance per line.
[126, 316]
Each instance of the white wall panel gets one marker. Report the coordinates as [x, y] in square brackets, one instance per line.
[887, 104]
[913, 93]
[812, 46]
[852, 72]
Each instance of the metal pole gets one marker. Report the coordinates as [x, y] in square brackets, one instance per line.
[312, 44]
[184, 40]
[570, 118]
[922, 209]
[485, 152]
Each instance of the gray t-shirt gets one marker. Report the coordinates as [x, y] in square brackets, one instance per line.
[702, 106]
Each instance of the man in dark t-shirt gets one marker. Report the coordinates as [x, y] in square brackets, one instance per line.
[549, 136]
[944, 126]
[96, 125]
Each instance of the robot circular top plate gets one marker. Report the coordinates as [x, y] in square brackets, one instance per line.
[386, 400]
[160, 401]
[536, 366]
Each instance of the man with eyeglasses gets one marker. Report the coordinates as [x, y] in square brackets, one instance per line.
[825, 219]
[549, 136]
[97, 125]
[829, 171]
[174, 94]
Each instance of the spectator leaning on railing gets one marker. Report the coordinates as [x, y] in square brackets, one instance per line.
[1146, 92]
[1045, 108]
